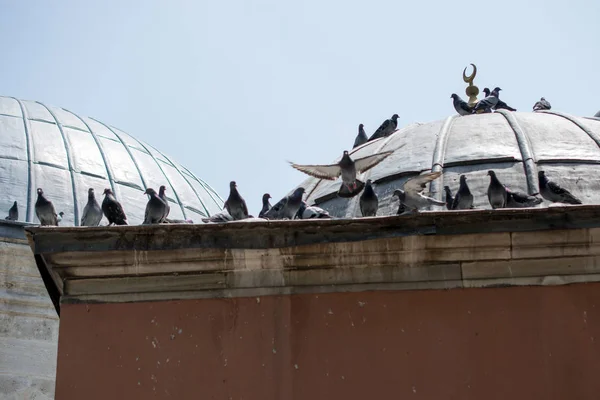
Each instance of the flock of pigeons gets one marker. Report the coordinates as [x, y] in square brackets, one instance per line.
[157, 209]
[490, 102]
[411, 196]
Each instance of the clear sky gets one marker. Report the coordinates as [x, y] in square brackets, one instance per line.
[232, 88]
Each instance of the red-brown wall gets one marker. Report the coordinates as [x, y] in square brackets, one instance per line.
[502, 343]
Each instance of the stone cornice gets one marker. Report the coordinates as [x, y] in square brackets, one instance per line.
[474, 248]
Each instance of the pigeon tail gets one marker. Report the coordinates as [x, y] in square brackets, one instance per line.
[347, 193]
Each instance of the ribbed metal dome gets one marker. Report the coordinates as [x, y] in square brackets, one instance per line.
[65, 154]
[514, 144]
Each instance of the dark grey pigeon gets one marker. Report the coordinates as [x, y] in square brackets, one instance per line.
[461, 106]
[112, 209]
[287, 207]
[369, 201]
[543, 104]
[311, 212]
[487, 103]
[463, 199]
[222, 216]
[500, 105]
[449, 197]
[266, 205]
[386, 128]
[597, 115]
[60, 217]
[235, 204]
[155, 208]
[516, 199]
[361, 138]
[347, 168]
[411, 194]
[496, 192]
[553, 192]
[163, 197]
[44, 209]
[92, 212]
[13, 213]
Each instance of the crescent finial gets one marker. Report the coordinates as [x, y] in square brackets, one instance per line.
[469, 79]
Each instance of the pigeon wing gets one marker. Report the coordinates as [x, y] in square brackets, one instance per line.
[557, 189]
[366, 163]
[331, 172]
[418, 183]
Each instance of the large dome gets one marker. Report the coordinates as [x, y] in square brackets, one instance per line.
[514, 144]
[65, 154]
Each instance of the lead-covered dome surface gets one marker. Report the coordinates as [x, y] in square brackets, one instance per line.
[65, 154]
[514, 144]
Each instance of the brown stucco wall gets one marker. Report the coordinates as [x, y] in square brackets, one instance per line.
[500, 343]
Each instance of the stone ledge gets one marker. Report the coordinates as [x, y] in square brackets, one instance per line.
[127, 263]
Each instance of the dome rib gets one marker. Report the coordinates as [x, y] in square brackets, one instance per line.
[571, 119]
[190, 185]
[107, 164]
[69, 164]
[177, 197]
[439, 154]
[128, 150]
[527, 156]
[25, 116]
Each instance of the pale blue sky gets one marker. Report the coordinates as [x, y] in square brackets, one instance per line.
[233, 89]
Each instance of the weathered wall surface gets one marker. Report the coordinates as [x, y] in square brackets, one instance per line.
[493, 343]
[28, 326]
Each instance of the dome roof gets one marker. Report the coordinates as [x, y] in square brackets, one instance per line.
[514, 144]
[65, 154]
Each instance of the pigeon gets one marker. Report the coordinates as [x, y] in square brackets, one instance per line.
[487, 103]
[155, 208]
[449, 198]
[112, 209]
[44, 209]
[410, 195]
[163, 197]
[516, 199]
[461, 106]
[597, 115]
[553, 192]
[266, 205]
[401, 208]
[386, 128]
[543, 104]
[361, 138]
[287, 207]
[60, 216]
[500, 105]
[235, 204]
[369, 201]
[222, 216]
[13, 213]
[347, 168]
[311, 212]
[463, 199]
[496, 192]
[92, 212]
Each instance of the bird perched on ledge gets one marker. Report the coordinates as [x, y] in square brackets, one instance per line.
[552, 191]
[112, 209]
[44, 209]
[347, 168]
[500, 104]
[13, 213]
[235, 203]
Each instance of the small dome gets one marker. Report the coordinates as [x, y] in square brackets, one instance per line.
[65, 154]
[514, 144]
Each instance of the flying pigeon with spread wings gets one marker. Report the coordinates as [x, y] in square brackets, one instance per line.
[348, 169]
